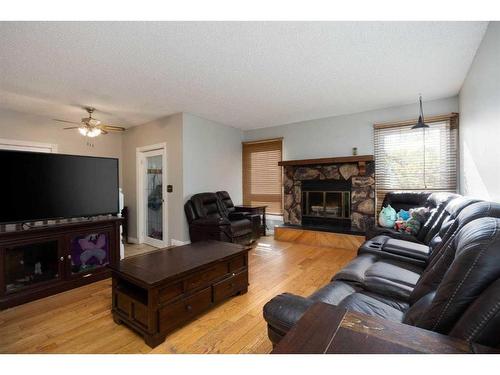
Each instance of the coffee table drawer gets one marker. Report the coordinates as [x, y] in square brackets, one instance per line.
[230, 286]
[207, 276]
[185, 309]
[170, 292]
[237, 263]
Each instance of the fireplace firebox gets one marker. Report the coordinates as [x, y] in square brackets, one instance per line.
[326, 203]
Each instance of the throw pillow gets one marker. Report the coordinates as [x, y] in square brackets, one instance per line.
[387, 217]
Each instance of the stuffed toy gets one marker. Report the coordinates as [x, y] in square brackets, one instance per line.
[403, 215]
[387, 217]
[418, 216]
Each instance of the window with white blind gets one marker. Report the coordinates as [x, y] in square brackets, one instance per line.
[262, 177]
[416, 159]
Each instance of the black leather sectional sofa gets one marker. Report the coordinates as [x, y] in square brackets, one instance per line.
[446, 279]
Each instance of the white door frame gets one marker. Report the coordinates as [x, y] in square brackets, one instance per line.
[141, 236]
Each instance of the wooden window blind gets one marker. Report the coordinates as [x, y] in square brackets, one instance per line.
[262, 177]
[399, 156]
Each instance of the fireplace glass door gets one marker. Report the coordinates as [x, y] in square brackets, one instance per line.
[329, 204]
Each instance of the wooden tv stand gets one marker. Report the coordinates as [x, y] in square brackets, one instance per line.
[41, 260]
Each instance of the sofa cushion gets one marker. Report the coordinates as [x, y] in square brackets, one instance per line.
[241, 227]
[398, 272]
[383, 276]
[368, 305]
[333, 292]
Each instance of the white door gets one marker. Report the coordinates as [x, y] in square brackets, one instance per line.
[153, 225]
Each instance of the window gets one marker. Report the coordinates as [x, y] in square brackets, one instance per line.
[262, 178]
[12, 144]
[399, 156]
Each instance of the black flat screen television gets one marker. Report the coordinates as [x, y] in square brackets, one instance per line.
[40, 186]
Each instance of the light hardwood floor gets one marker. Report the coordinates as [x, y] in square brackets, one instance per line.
[79, 321]
[137, 249]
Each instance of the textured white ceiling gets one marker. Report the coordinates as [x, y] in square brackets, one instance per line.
[243, 74]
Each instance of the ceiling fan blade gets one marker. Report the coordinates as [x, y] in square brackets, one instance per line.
[69, 122]
[72, 127]
[112, 128]
[104, 132]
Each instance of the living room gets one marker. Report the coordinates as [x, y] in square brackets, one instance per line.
[250, 187]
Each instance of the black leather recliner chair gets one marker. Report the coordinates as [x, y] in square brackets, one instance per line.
[232, 211]
[208, 219]
[456, 292]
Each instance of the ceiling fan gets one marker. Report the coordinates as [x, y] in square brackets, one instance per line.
[92, 127]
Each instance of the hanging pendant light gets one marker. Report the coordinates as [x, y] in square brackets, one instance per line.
[420, 123]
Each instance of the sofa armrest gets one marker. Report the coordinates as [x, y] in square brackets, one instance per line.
[328, 329]
[380, 231]
[237, 215]
[211, 222]
[284, 310]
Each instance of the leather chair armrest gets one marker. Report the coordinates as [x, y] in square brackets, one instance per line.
[241, 209]
[380, 231]
[237, 215]
[284, 310]
[210, 222]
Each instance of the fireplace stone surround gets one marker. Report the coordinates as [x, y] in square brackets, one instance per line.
[357, 172]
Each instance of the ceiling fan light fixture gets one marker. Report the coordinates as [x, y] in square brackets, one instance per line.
[93, 132]
[83, 131]
[89, 132]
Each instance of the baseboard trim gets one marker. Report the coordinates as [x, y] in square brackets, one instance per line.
[175, 242]
[133, 240]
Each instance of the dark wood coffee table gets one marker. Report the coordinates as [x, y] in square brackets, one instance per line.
[157, 292]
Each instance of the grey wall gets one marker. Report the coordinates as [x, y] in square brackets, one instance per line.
[27, 127]
[168, 130]
[480, 120]
[336, 136]
[211, 157]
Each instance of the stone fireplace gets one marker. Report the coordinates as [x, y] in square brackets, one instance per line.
[336, 194]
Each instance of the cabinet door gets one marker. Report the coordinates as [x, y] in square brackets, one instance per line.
[32, 264]
[88, 252]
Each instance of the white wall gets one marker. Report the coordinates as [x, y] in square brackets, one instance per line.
[480, 121]
[27, 127]
[336, 136]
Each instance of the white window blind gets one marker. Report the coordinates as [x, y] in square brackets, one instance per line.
[262, 177]
[402, 164]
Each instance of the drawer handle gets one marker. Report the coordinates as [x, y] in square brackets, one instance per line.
[233, 274]
[189, 307]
